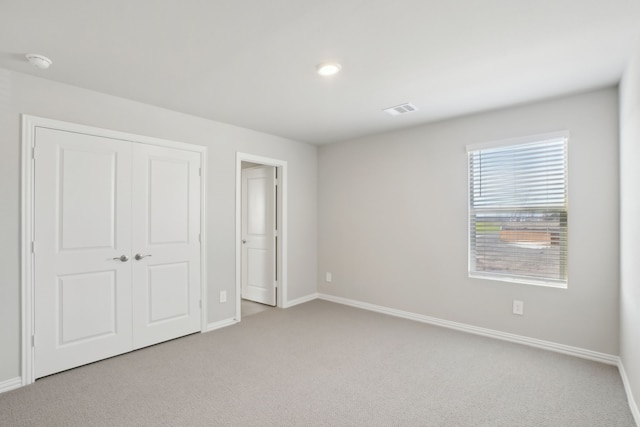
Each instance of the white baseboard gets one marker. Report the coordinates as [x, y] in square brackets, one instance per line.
[220, 324]
[627, 387]
[10, 384]
[533, 342]
[301, 300]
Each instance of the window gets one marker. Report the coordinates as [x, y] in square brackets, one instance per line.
[518, 210]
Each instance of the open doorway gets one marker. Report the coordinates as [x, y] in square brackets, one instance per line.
[249, 308]
[260, 233]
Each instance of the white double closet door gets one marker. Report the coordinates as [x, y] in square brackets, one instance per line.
[116, 247]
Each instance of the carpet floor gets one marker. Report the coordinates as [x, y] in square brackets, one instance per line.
[324, 364]
[249, 308]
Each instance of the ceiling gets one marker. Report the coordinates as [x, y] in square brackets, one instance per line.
[252, 63]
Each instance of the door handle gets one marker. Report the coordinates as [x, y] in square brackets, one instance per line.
[244, 241]
[122, 258]
[138, 257]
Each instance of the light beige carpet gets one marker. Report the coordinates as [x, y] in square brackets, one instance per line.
[249, 308]
[323, 364]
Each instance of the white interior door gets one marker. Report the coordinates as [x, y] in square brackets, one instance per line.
[259, 234]
[116, 247]
[83, 225]
[166, 244]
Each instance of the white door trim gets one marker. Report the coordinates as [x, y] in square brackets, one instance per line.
[281, 202]
[27, 217]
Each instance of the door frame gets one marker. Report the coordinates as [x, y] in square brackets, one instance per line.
[281, 220]
[27, 221]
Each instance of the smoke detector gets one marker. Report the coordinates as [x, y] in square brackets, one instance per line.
[401, 109]
[39, 61]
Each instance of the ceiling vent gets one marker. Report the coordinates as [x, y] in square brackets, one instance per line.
[401, 109]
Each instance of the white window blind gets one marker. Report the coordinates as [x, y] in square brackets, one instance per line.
[518, 212]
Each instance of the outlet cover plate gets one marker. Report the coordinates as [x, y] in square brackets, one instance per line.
[518, 307]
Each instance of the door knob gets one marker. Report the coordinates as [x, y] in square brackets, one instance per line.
[122, 258]
[138, 257]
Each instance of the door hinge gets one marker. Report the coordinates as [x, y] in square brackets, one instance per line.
[33, 247]
[199, 171]
[33, 340]
[199, 237]
[200, 303]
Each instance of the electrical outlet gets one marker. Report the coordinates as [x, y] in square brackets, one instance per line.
[328, 277]
[223, 296]
[518, 307]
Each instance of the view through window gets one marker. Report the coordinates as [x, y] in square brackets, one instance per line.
[518, 211]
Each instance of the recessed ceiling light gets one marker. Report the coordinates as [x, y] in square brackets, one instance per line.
[39, 61]
[328, 68]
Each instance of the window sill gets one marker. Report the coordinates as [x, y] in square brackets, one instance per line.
[521, 280]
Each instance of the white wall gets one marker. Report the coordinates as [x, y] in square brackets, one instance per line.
[20, 93]
[393, 223]
[630, 225]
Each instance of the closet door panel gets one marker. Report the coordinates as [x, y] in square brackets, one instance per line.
[166, 229]
[82, 227]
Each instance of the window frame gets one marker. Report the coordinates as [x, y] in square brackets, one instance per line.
[471, 256]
